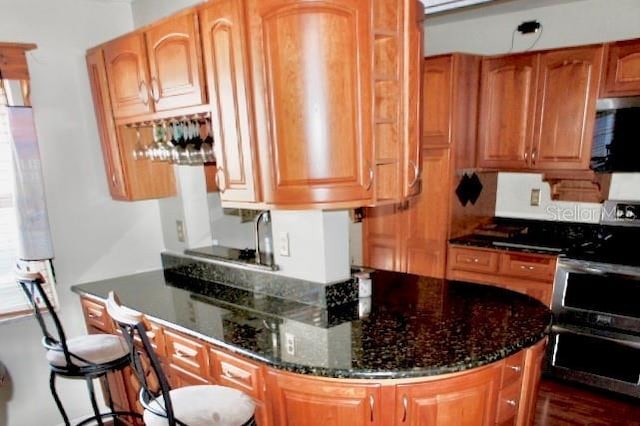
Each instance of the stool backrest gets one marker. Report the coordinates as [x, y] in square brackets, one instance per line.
[31, 284]
[144, 361]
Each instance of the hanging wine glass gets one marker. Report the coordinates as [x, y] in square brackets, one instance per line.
[139, 151]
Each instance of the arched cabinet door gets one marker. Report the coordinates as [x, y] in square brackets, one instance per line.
[223, 39]
[126, 64]
[622, 69]
[175, 66]
[313, 87]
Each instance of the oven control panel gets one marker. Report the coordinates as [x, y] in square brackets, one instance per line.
[621, 213]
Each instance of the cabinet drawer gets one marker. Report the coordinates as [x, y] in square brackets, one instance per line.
[474, 260]
[527, 266]
[180, 378]
[508, 402]
[186, 353]
[512, 370]
[95, 314]
[236, 373]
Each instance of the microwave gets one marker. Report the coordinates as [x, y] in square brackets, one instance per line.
[616, 135]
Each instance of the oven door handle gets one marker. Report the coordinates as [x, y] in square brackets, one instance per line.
[560, 329]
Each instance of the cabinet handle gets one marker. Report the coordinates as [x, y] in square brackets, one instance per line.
[228, 374]
[511, 402]
[529, 268]
[155, 90]
[372, 405]
[416, 173]
[179, 354]
[218, 180]
[534, 154]
[515, 368]
[370, 183]
[144, 99]
[405, 404]
[526, 156]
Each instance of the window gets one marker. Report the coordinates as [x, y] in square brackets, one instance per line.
[12, 301]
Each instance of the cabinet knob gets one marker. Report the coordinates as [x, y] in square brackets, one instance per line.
[534, 154]
[155, 90]
[372, 405]
[527, 268]
[416, 173]
[515, 368]
[370, 183]
[512, 402]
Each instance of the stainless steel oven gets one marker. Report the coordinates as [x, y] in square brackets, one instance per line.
[595, 338]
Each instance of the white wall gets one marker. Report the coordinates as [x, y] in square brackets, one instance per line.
[148, 11]
[94, 237]
[489, 30]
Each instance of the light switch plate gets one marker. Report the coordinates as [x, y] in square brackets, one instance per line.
[180, 230]
[283, 244]
[535, 197]
[290, 343]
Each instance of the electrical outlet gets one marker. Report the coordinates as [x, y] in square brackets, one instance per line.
[180, 230]
[290, 343]
[283, 244]
[535, 197]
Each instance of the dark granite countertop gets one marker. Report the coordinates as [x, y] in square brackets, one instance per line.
[411, 327]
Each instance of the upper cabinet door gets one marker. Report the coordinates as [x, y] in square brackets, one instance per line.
[622, 74]
[436, 97]
[126, 65]
[568, 85]
[223, 40]
[106, 125]
[312, 83]
[174, 63]
[507, 107]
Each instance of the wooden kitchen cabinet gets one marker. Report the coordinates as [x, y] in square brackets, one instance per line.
[506, 111]
[466, 400]
[158, 69]
[527, 273]
[225, 56]
[622, 69]
[537, 111]
[128, 179]
[568, 83]
[175, 63]
[412, 236]
[297, 400]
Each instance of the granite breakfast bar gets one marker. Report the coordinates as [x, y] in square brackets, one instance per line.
[419, 351]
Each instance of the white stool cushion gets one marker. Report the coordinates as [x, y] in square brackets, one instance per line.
[204, 405]
[97, 348]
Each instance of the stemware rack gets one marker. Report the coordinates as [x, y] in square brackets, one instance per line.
[183, 140]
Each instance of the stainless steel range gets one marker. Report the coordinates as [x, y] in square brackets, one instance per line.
[595, 338]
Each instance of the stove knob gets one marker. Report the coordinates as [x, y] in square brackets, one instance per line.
[619, 213]
[630, 213]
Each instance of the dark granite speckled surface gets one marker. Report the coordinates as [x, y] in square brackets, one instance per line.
[413, 326]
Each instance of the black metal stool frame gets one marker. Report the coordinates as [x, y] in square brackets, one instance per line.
[88, 372]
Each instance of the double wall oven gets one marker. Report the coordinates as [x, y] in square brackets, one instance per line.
[595, 337]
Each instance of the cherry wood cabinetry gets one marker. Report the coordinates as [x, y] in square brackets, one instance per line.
[622, 69]
[537, 110]
[568, 82]
[127, 178]
[507, 107]
[412, 236]
[223, 33]
[527, 273]
[156, 70]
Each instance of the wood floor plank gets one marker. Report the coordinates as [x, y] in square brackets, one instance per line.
[560, 403]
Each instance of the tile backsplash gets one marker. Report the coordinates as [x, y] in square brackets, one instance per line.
[514, 195]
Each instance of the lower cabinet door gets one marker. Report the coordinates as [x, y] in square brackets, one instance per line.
[298, 401]
[466, 400]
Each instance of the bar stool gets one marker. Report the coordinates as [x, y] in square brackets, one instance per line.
[201, 405]
[86, 357]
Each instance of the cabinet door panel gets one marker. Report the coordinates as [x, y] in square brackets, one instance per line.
[467, 400]
[382, 238]
[126, 64]
[174, 63]
[622, 76]
[301, 401]
[567, 91]
[317, 93]
[106, 125]
[427, 218]
[436, 88]
[507, 107]
[223, 42]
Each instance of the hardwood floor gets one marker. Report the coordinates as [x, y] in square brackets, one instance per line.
[560, 403]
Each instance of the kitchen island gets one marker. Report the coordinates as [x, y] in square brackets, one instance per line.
[419, 351]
